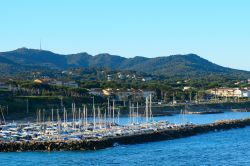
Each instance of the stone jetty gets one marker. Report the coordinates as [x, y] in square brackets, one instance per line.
[101, 143]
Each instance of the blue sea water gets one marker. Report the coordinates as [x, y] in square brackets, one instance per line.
[229, 147]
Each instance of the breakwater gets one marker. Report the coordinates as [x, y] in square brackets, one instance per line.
[101, 143]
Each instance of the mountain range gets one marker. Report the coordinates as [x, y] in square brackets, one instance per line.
[181, 66]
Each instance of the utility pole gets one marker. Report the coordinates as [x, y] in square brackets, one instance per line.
[173, 99]
[197, 97]
[52, 115]
[27, 104]
[61, 102]
[190, 97]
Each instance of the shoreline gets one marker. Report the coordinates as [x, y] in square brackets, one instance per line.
[162, 110]
[102, 143]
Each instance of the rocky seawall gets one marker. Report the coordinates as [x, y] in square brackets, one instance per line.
[95, 144]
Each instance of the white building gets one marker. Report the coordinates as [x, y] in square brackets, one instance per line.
[96, 91]
[126, 94]
[71, 84]
[57, 83]
[186, 88]
[230, 92]
[242, 93]
[146, 79]
[109, 77]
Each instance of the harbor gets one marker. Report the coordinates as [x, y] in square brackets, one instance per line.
[83, 129]
[157, 134]
[79, 124]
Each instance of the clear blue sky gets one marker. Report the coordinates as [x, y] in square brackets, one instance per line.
[218, 30]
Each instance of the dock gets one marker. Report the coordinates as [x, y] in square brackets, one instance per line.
[148, 135]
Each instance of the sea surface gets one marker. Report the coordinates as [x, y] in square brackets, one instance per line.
[229, 147]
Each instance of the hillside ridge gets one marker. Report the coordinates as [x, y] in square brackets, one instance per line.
[185, 66]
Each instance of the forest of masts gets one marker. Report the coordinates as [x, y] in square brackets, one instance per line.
[81, 118]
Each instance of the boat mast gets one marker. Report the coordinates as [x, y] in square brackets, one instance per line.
[64, 116]
[37, 116]
[137, 113]
[79, 118]
[129, 112]
[99, 118]
[58, 121]
[44, 120]
[66, 113]
[86, 114]
[118, 116]
[133, 113]
[146, 110]
[113, 111]
[94, 112]
[72, 110]
[52, 115]
[105, 119]
[150, 107]
[108, 113]
[83, 114]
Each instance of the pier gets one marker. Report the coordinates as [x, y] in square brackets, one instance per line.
[141, 136]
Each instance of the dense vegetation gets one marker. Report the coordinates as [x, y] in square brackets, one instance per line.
[176, 66]
[167, 78]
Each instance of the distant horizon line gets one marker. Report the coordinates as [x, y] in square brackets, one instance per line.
[40, 49]
[125, 57]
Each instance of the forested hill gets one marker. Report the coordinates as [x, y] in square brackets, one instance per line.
[186, 66]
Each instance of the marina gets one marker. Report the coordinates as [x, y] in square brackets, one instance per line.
[133, 83]
[80, 126]
[80, 129]
[92, 143]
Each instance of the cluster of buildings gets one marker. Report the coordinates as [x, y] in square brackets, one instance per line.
[123, 76]
[122, 94]
[71, 84]
[118, 94]
[231, 92]
[242, 82]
